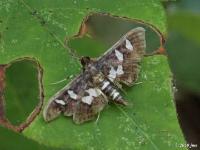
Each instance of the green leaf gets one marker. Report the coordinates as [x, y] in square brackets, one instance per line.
[10, 140]
[38, 28]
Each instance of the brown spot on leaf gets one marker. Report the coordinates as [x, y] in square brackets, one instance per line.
[161, 50]
[2, 85]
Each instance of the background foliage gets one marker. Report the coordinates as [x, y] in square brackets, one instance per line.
[183, 43]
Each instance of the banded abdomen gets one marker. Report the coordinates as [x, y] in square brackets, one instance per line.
[111, 92]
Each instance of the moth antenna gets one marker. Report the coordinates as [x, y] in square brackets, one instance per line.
[138, 83]
[123, 91]
[97, 120]
[57, 82]
[60, 81]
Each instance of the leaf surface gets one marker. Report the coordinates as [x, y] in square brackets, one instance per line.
[37, 29]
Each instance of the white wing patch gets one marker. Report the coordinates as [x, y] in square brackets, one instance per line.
[119, 55]
[120, 70]
[92, 93]
[105, 84]
[129, 45]
[113, 73]
[61, 102]
[87, 99]
[72, 94]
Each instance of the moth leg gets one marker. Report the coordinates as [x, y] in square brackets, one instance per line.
[98, 116]
[119, 86]
[60, 81]
[138, 83]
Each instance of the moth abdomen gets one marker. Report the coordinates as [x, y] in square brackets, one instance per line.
[109, 90]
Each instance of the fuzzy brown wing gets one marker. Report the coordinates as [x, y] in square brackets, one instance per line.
[85, 112]
[79, 99]
[121, 62]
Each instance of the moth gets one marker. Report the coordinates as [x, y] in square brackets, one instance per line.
[90, 92]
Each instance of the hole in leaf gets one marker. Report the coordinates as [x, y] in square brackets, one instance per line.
[21, 91]
[106, 31]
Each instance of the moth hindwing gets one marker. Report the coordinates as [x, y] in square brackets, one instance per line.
[91, 91]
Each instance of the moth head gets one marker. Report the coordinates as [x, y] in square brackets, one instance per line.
[85, 61]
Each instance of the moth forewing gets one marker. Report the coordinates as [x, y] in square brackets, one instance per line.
[121, 62]
[52, 109]
[128, 35]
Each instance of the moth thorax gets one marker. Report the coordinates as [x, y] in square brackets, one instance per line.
[98, 78]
